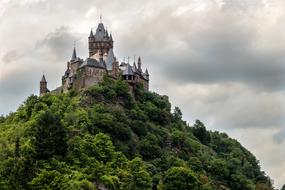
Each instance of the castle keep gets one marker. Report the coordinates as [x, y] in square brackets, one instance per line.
[81, 74]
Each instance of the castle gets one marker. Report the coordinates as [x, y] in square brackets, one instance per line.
[81, 74]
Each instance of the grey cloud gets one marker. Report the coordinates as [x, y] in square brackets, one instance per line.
[229, 105]
[280, 136]
[261, 75]
[59, 43]
[12, 56]
[215, 46]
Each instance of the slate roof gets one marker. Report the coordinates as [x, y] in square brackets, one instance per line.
[134, 67]
[128, 70]
[74, 56]
[146, 72]
[100, 32]
[110, 59]
[43, 79]
[90, 62]
[91, 34]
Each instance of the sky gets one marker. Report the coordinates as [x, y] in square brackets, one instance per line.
[220, 61]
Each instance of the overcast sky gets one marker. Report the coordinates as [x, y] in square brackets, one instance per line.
[220, 61]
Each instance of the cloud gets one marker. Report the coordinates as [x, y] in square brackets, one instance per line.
[209, 47]
[280, 136]
[11, 56]
[56, 43]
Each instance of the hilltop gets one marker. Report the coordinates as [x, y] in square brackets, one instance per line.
[107, 137]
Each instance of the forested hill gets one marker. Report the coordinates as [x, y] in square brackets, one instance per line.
[107, 138]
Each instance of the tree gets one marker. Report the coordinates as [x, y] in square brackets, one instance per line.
[177, 114]
[17, 147]
[180, 178]
[140, 178]
[50, 136]
[47, 180]
[283, 187]
[200, 132]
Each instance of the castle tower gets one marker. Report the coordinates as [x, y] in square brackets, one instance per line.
[101, 41]
[43, 86]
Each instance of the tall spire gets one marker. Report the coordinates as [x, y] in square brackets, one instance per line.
[100, 18]
[73, 58]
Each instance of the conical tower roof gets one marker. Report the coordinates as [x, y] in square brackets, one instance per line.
[74, 56]
[43, 79]
[91, 34]
[146, 72]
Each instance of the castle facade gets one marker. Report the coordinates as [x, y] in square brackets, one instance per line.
[81, 74]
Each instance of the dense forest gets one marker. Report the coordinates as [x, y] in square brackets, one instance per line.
[109, 138]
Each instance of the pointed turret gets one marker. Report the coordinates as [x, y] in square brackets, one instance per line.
[91, 35]
[74, 57]
[111, 37]
[43, 79]
[146, 72]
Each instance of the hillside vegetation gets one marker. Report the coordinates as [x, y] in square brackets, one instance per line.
[107, 138]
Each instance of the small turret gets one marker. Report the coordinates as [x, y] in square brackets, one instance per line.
[43, 86]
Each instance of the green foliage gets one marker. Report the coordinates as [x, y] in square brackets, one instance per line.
[109, 137]
[177, 114]
[200, 132]
[50, 136]
[48, 180]
[180, 178]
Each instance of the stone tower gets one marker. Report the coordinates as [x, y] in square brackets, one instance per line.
[101, 42]
[43, 86]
